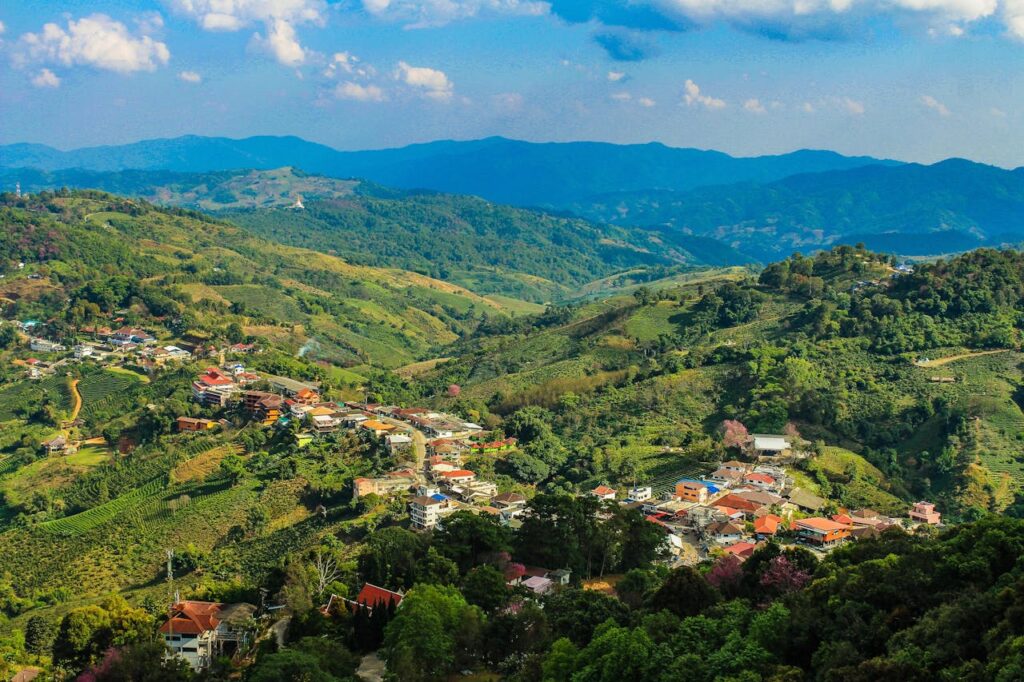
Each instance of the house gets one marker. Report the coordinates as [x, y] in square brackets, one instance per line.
[324, 423]
[45, 346]
[805, 500]
[759, 497]
[83, 351]
[735, 466]
[383, 486]
[131, 335]
[290, 387]
[510, 502]
[747, 506]
[767, 525]
[724, 532]
[213, 387]
[193, 424]
[372, 596]
[725, 476]
[925, 513]
[266, 407]
[640, 494]
[692, 491]
[398, 442]
[199, 631]
[759, 480]
[822, 532]
[457, 476]
[741, 550]
[426, 512]
[764, 445]
[306, 396]
[603, 492]
[376, 427]
[539, 585]
[57, 444]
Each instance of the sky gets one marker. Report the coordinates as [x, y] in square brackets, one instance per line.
[917, 80]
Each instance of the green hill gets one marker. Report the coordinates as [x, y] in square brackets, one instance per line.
[199, 275]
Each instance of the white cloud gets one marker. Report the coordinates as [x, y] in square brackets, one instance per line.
[807, 108]
[359, 93]
[616, 76]
[97, 41]
[431, 82]
[190, 77]
[693, 96]
[851, 106]
[997, 112]
[278, 18]
[46, 79]
[935, 105]
[1013, 17]
[281, 43]
[621, 96]
[646, 102]
[2, 28]
[430, 13]
[510, 102]
[754, 106]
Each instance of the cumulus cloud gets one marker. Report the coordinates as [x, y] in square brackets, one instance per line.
[190, 77]
[97, 41]
[693, 96]
[616, 76]
[851, 106]
[646, 102]
[46, 79]
[281, 43]
[359, 93]
[790, 19]
[935, 105]
[278, 18]
[431, 83]
[997, 112]
[429, 13]
[754, 106]
[621, 96]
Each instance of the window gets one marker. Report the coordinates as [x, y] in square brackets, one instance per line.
[189, 649]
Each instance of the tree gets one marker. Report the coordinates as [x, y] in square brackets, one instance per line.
[86, 632]
[636, 586]
[469, 538]
[685, 593]
[485, 586]
[391, 557]
[39, 634]
[311, 659]
[232, 467]
[256, 519]
[141, 662]
[576, 613]
[431, 635]
[527, 468]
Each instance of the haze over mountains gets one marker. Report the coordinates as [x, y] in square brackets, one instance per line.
[734, 209]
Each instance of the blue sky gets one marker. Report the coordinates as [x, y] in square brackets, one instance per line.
[911, 79]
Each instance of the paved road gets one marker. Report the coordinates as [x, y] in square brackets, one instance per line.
[419, 441]
[371, 668]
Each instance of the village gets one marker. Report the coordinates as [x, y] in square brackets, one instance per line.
[728, 512]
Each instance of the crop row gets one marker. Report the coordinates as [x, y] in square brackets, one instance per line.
[91, 518]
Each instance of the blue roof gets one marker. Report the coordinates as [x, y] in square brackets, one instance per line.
[712, 488]
[439, 497]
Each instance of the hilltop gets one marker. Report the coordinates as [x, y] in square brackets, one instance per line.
[199, 276]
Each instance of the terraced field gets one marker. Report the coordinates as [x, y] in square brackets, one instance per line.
[103, 389]
[16, 396]
[91, 518]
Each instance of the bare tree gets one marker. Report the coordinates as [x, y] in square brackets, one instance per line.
[326, 572]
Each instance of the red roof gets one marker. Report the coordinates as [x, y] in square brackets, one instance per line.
[214, 377]
[825, 525]
[843, 519]
[603, 490]
[767, 524]
[737, 502]
[759, 478]
[193, 618]
[458, 473]
[741, 549]
[371, 595]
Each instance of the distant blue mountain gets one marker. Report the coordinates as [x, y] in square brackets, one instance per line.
[551, 175]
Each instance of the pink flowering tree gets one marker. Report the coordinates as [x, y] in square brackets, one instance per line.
[726, 575]
[783, 576]
[734, 433]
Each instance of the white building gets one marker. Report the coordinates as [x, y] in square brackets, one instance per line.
[200, 631]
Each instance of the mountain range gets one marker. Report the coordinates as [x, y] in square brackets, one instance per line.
[705, 206]
[497, 169]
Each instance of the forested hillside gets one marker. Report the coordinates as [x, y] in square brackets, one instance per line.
[201, 275]
[948, 207]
